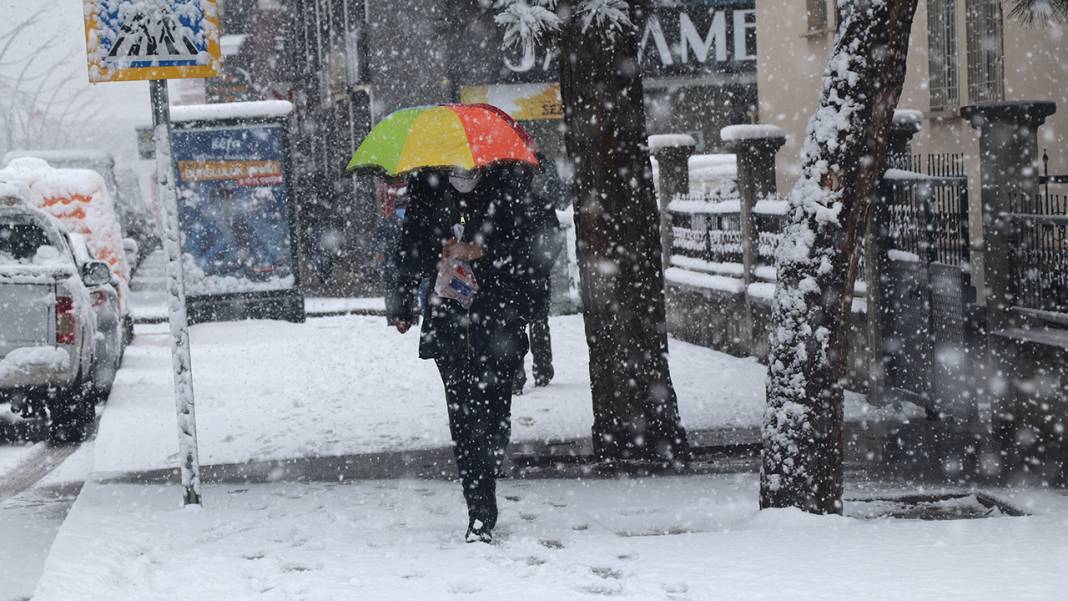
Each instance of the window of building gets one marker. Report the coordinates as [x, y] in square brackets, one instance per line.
[817, 15]
[986, 59]
[944, 79]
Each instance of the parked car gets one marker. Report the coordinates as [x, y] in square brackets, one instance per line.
[79, 199]
[48, 325]
[110, 338]
[132, 205]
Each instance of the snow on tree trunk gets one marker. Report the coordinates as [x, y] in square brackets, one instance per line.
[842, 160]
[617, 220]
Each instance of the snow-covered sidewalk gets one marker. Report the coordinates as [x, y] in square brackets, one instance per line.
[348, 385]
[694, 538]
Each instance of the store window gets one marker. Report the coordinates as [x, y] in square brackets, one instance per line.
[986, 58]
[944, 79]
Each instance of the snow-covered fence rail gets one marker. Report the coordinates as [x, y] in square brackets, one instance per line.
[706, 228]
[709, 228]
[769, 215]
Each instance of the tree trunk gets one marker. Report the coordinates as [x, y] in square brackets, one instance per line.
[634, 405]
[843, 158]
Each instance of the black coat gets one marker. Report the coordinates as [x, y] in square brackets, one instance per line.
[497, 216]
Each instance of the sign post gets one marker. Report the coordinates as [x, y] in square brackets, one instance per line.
[157, 40]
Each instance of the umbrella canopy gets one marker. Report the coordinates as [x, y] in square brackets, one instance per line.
[467, 136]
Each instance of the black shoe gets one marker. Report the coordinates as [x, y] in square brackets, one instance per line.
[477, 532]
[518, 383]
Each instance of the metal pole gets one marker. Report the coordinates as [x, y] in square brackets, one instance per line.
[180, 359]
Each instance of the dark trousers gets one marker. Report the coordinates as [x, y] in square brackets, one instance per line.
[478, 391]
[541, 347]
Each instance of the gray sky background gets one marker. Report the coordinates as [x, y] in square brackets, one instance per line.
[99, 115]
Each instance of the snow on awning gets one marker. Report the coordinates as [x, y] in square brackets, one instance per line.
[232, 110]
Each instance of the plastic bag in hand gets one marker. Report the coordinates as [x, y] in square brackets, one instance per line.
[456, 281]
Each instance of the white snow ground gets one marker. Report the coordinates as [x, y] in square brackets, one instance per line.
[695, 538]
[344, 385]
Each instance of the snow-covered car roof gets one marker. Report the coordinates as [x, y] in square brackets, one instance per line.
[61, 156]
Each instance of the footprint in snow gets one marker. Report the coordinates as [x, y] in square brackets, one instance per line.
[525, 421]
[551, 544]
[463, 587]
[607, 588]
[607, 573]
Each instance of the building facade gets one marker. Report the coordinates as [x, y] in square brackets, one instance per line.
[962, 52]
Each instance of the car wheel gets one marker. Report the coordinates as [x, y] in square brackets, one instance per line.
[72, 413]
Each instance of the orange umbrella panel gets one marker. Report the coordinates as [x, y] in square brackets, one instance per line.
[465, 136]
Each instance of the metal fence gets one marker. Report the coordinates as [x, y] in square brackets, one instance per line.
[924, 217]
[941, 164]
[1040, 250]
[710, 229]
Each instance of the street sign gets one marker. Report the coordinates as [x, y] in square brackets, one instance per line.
[159, 40]
[151, 39]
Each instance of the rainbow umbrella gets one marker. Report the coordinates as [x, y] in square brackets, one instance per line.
[467, 136]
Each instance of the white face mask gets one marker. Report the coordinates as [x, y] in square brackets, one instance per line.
[464, 182]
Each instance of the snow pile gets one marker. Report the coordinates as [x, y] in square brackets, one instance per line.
[771, 206]
[79, 199]
[675, 275]
[902, 174]
[259, 109]
[12, 192]
[198, 282]
[32, 360]
[908, 117]
[700, 204]
[62, 156]
[701, 265]
[735, 133]
[658, 141]
[714, 175]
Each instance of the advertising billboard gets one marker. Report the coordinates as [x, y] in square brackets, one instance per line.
[235, 211]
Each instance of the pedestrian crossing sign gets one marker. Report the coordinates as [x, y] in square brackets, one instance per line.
[151, 39]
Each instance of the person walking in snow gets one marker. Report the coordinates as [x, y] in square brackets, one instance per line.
[478, 349]
[547, 243]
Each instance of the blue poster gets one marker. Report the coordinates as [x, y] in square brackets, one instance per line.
[233, 207]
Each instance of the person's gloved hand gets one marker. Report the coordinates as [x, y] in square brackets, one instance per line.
[462, 250]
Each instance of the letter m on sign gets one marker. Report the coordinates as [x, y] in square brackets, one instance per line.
[151, 39]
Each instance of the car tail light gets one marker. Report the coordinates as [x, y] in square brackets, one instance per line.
[100, 298]
[65, 323]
